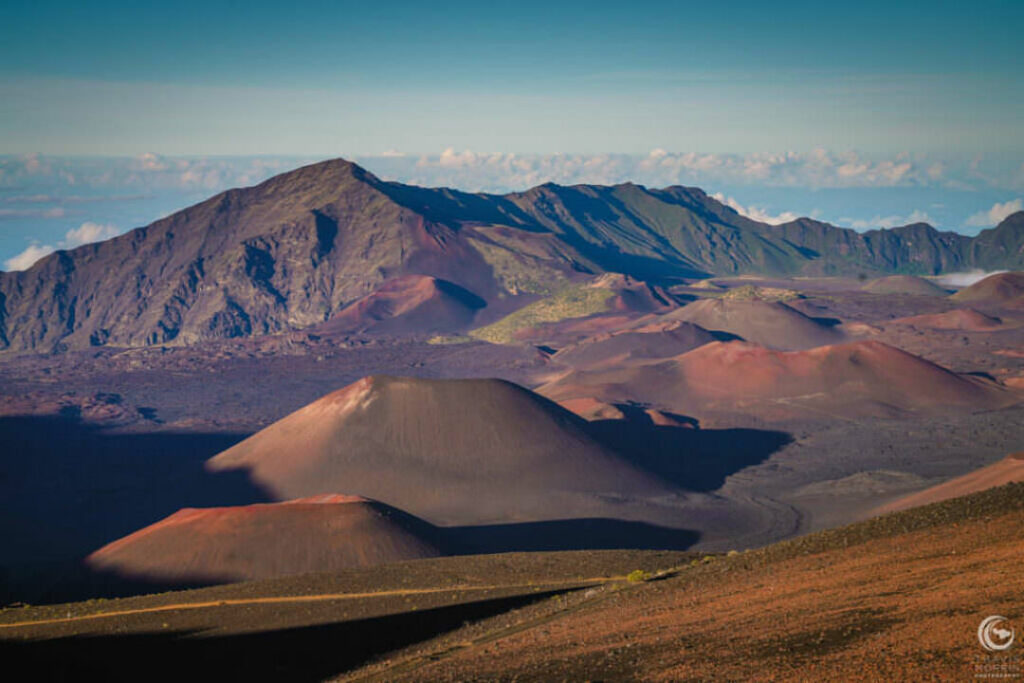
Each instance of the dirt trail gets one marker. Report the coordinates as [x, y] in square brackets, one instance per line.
[306, 598]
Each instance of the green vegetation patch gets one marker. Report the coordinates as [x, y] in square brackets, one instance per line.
[444, 339]
[638, 576]
[572, 302]
[752, 293]
[518, 272]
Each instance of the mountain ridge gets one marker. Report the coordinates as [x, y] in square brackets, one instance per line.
[294, 250]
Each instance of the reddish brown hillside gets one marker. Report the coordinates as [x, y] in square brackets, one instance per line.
[407, 304]
[319, 534]
[450, 451]
[770, 324]
[841, 381]
[660, 340]
[892, 599]
[904, 284]
[1010, 468]
[966, 319]
[1003, 288]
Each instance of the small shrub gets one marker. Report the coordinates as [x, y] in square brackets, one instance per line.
[638, 576]
[441, 340]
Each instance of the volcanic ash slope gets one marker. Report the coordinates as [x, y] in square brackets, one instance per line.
[658, 340]
[407, 304]
[771, 324]
[1006, 289]
[904, 284]
[1009, 469]
[966, 319]
[317, 534]
[842, 381]
[449, 451]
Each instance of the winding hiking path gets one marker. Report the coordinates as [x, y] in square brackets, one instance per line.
[286, 599]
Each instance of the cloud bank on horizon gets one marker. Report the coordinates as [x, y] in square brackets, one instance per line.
[816, 169]
[508, 172]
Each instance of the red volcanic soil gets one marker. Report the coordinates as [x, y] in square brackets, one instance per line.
[662, 340]
[892, 599]
[966, 319]
[771, 324]
[405, 305]
[450, 451]
[1001, 288]
[904, 284]
[845, 381]
[1009, 469]
[319, 534]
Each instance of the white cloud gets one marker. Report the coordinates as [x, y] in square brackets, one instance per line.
[152, 162]
[69, 199]
[84, 234]
[473, 170]
[916, 216]
[996, 215]
[756, 213]
[965, 279]
[34, 164]
[56, 212]
[25, 259]
[145, 173]
[31, 198]
[451, 159]
[89, 232]
[501, 172]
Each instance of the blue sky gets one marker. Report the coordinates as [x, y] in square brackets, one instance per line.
[941, 83]
[361, 77]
